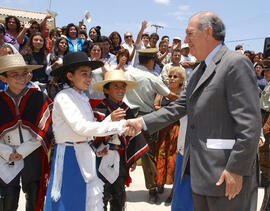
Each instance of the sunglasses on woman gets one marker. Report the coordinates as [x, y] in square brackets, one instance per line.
[173, 76]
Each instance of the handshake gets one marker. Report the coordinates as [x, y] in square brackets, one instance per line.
[133, 126]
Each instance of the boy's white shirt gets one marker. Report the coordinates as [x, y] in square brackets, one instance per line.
[11, 140]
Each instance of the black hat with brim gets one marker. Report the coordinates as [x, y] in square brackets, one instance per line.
[266, 63]
[76, 59]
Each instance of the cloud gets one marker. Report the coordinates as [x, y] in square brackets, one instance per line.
[183, 13]
[162, 1]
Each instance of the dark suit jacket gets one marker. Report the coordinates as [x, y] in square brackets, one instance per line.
[223, 104]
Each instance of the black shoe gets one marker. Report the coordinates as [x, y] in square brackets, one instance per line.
[168, 201]
[160, 189]
[153, 197]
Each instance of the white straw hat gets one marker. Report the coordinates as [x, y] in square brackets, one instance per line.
[111, 76]
[15, 62]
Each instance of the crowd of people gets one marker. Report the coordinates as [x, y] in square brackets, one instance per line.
[65, 96]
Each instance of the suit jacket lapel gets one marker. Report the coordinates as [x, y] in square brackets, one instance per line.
[210, 69]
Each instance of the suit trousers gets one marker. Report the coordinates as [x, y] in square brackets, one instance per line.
[209, 203]
[149, 162]
[246, 200]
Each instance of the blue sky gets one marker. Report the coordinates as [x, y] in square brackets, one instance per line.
[243, 19]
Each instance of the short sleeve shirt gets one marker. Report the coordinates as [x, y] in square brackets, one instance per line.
[144, 95]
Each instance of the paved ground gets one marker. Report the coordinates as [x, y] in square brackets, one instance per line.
[137, 195]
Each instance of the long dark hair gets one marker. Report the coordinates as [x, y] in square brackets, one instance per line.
[55, 51]
[115, 33]
[97, 29]
[68, 28]
[17, 21]
[29, 48]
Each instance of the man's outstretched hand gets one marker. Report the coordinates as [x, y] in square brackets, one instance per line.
[134, 126]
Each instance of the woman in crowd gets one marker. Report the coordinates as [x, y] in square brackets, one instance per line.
[83, 35]
[257, 59]
[95, 53]
[166, 146]
[12, 31]
[34, 53]
[116, 41]
[164, 56]
[74, 42]
[74, 184]
[3, 44]
[94, 34]
[27, 31]
[261, 82]
[122, 59]
[181, 188]
[94, 37]
[55, 60]
[5, 49]
[53, 35]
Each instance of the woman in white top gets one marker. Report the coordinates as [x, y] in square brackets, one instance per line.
[74, 184]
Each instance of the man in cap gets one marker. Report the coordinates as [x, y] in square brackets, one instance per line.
[141, 100]
[176, 43]
[187, 61]
[224, 122]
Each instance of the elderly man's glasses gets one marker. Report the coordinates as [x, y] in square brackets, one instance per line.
[128, 36]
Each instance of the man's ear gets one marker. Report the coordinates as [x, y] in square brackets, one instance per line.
[209, 31]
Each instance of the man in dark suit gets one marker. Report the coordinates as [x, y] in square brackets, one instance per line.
[222, 104]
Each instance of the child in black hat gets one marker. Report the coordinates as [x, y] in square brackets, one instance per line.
[74, 184]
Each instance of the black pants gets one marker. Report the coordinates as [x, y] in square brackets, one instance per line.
[10, 193]
[115, 194]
